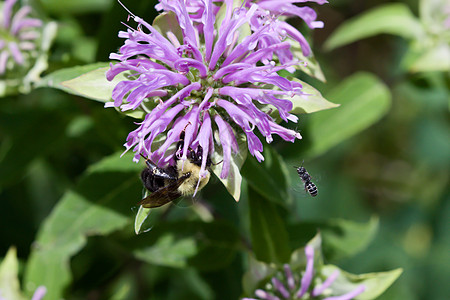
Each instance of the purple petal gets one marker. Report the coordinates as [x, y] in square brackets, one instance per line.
[280, 288]
[318, 290]
[309, 272]
[289, 277]
[39, 293]
[265, 295]
[17, 55]
[3, 59]
[227, 139]
[359, 290]
[7, 12]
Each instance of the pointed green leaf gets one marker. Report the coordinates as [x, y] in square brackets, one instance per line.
[99, 205]
[9, 280]
[55, 79]
[234, 180]
[94, 85]
[395, 18]
[270, 240]
[374, 283]
[364, 100]
[141, 216]
[309, 64]
[313, 101]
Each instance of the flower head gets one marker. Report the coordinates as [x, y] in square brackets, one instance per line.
[208, 77]
[289, 286]
[17, 35]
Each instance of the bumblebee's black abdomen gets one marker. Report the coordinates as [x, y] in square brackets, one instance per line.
[311, 188]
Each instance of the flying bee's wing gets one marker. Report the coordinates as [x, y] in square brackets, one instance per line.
[165, 194]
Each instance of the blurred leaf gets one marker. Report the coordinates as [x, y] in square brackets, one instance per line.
[269, 178]
[374, 283]
[313, 101]
[98, 206]
[257, 271]
[364, 100]
[9, 277]
[234, 180]
[25, 128]
[341, 238]
[167, 251]
[436, 58]
[270, 241]
[206, 246]
[395, 18]
[75, 7]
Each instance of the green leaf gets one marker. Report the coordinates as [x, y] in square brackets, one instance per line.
[75, 7]
[89, 81]
[94, 85]
[99, 205]
[341, 238]
[167, 251]
[374, 283]
[309, 64]
[141, 217]
[205, 246]
[313, 101]
[234, 180]
[395, 18]
[168, 22]
[433, 59]
[55, 79]
[270, 241]
[9, 280]
[257, 272]
[270, 177]
[364, 100]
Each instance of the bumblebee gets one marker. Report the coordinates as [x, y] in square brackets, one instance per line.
[173, 182]
[310, 187]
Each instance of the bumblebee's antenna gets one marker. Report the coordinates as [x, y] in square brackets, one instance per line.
[215, 164]
[143, 156]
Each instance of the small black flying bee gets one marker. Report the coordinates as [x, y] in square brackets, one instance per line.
[168, 184]
[310, 187]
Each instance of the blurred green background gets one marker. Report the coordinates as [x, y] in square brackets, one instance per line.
[384, 152]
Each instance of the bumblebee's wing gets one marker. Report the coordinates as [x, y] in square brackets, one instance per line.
[165, 194]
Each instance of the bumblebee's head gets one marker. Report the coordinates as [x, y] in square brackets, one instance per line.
[196, 157]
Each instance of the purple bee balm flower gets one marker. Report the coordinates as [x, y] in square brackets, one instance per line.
[267, 14]
[212, 84]
[17, 34]
[303, 288]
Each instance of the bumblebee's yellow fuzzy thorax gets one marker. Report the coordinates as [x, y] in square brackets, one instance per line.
[187, 188]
